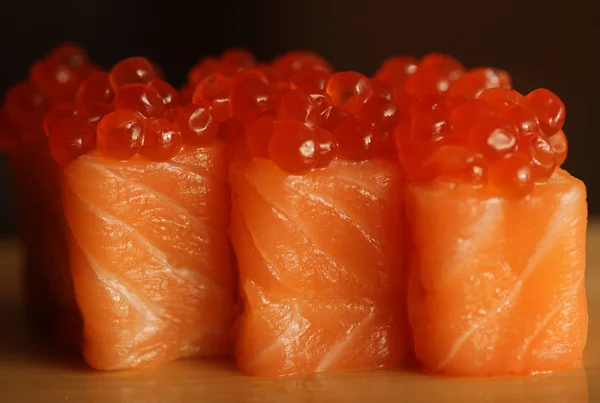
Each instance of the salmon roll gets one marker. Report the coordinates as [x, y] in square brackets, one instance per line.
[497, 273]
[316, 220]
[53, 81]
[146, 206]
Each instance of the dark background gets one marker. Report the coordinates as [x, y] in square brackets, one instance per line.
[550, 43]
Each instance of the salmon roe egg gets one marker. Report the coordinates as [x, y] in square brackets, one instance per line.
[70, 54]
[327, 145]
[454, 162]
[310, 80]
[142, 98]
[537, 148]
[382, 89]
[213, 91]
[558, 141]
[57, 80]
[258, 136]
[472, 83]
[294, 146]
[524, 118]
[349, 90]
[202, 69]
[463, 115]
[250, 96]
[493, 137]
[358, 140]
[71, 137]
[549, 109]
[396, 69]
[443, 64]
[61, 111]
[299, 106]
[134, 70]
[500, 97]
[120, 134]
[434, 75]
[96, 90]
[26, 104]
[267, 70]
[162, 140]
[382, 113]
[512, 175]
[234, 61]
[430, 127]
[332, 117]
[186, 92]
[169, 95]
[287, 65]
[196, 125]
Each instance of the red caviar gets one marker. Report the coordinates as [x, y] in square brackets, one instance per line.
[120, 134]
[474, 82]
[136, 113]
[162, 140]
[58, 80]
[71, 137]
[213, 91]
[96, 91]
[294, 146]
[258, 136]
[299, 106]
[434, 75]
[349, 90]
[235, 61]
[196, 125]
[396, 69]
[251, 95]
[134, 70]
[310, 80]
[358, 140]
[287, 65]
[142, 98]
[26, 105]
[202, 69]
[61, 111]
[328, 146]
[169, 95]
[497, 139]
[549, 109]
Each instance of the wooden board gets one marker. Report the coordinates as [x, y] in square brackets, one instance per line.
[32, 372]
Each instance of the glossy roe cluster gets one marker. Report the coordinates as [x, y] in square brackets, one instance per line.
[297, 112]
[52, 80]
[501, 139]
[129, 111]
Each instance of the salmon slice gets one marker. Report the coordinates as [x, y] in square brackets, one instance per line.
[319, 267]
[150, 257]
[497, 285]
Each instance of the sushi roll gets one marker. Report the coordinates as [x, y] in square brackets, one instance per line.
[146, 206]
[498, 235]
[317, 217]
[52, 81]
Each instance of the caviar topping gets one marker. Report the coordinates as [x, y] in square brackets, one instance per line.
[496, 140]
[137, 113]
[134, 70]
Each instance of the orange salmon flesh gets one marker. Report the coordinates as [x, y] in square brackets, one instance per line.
[321, 273]
[150, 258]
[497, 286]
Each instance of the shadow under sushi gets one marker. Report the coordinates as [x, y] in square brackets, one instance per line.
[22, 343]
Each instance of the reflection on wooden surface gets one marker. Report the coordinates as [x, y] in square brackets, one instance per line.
[30, 371]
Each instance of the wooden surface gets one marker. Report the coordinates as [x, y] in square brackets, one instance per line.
[33, 372]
